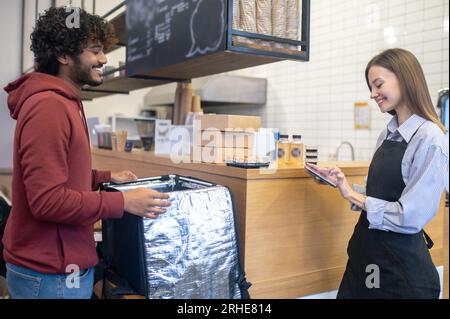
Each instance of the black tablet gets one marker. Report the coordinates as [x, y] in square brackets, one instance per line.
[320, 177]
[248, 165]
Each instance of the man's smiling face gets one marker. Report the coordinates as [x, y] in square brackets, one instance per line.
[86, 68]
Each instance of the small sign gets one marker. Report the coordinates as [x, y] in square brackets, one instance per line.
[362, 115]
[162, 137]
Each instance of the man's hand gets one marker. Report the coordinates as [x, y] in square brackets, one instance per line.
[122, 177]
[145, 202]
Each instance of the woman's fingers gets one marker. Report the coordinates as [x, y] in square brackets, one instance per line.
[312, 166]
[321, 170]
[335, 171]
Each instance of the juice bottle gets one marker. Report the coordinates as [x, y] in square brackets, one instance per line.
[296, 151]
[283, 150]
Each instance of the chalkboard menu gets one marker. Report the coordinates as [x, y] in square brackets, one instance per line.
[165, 32]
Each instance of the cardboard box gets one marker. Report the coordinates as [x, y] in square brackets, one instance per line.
[202, 154]
[222, 122]
[216, 138]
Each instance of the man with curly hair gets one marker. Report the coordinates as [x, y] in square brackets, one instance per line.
[49, 245]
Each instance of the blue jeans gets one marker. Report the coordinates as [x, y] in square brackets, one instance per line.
[24, 283]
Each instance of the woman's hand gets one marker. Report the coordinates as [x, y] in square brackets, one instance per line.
[336, 175]
[123, 177]
[324, 171]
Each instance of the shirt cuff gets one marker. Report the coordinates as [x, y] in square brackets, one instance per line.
[103, 177]
[375, 210]
[114, 205]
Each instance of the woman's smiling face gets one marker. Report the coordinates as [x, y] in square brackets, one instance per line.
[385, 88]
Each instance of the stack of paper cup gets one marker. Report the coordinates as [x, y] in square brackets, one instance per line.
[311, 154]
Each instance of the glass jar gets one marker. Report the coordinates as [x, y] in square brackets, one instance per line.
[283, 149]
[296, 151]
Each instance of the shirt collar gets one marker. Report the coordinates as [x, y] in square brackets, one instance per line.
[407, 129]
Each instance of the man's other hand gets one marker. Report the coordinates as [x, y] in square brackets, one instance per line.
[123, 177]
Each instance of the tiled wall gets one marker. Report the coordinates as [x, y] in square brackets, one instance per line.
[316, 98]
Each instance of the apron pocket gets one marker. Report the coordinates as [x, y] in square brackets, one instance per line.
[413, 259]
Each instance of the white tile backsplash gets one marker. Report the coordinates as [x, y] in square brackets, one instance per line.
[316, 98]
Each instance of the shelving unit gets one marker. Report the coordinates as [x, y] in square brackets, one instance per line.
[120, 85]
[232, 56]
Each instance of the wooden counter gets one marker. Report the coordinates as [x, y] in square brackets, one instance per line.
[293, 232]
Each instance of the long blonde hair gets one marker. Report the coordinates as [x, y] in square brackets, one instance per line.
[412, 81]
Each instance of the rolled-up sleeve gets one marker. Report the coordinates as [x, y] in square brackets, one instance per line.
[420, 199]
[359, 189]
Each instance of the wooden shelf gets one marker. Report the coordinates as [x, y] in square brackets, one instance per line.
[165, 61]
[118, 85]
[229, 57]
[215, 63]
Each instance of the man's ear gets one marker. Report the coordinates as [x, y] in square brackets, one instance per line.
[64, 59]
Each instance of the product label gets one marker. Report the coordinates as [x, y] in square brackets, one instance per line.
[296, 152]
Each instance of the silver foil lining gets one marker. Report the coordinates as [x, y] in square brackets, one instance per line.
[191, 250]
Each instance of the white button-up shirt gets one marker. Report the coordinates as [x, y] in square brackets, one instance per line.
[424, 171]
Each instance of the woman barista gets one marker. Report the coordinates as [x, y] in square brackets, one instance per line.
[404, 185]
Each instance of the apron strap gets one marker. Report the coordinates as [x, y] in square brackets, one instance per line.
[428, 240]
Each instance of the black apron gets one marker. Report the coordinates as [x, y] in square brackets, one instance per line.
[404, 262]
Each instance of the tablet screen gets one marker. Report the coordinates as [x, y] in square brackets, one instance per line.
[320, 177]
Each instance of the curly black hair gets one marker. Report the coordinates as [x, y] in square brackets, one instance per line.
[52, 38]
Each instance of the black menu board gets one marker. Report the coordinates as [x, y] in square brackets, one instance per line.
[165, 32]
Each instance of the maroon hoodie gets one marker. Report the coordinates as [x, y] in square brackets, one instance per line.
[54, 205]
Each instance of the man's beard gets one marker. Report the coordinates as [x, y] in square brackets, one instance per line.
[83, 74]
